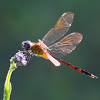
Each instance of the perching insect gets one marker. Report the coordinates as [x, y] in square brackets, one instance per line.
[49, 49]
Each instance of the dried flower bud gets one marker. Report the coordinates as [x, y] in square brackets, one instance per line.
[21, 58]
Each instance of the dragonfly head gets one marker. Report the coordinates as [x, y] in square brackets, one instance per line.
[26, 44]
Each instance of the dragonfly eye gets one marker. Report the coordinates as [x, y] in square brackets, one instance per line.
[26, 45]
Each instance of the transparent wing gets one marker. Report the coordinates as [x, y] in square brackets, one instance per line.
[59, 29]
[66, 45]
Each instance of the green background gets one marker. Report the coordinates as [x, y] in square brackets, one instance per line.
[22, 20]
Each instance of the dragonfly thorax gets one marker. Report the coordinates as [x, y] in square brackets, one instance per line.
[32, 48]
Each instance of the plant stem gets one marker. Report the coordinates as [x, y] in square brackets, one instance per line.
[7, 85]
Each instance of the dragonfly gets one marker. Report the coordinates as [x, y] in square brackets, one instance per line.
[51, 48]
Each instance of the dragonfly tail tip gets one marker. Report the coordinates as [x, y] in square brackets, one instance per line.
[93, 76]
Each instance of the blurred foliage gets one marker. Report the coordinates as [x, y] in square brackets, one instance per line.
[30, 20]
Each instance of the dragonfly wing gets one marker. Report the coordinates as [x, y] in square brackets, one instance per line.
[53, 60]
[59, 29]
[66, 45]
